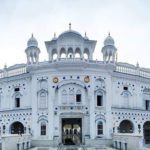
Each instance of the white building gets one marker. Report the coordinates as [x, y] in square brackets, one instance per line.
[73, 99]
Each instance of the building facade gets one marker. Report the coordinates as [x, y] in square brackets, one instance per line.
[73, 99]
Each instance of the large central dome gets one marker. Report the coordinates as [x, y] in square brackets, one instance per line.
[70, 33]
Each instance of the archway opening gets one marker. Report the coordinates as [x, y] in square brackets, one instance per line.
[62, 53]
[77, 53]
[126, 126]
[86, 53]
[54, 54]
[70, 53]
[71, 131]
[146, 132]
[17, 128]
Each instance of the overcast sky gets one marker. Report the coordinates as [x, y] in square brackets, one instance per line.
[128, 21]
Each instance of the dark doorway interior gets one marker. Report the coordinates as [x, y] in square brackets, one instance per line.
[71, 131]
[17, 128]
[147, 132]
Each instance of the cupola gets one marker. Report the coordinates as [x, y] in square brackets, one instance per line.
[32, 51]
[109, 50]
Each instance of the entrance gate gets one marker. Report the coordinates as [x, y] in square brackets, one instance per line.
[71, 131]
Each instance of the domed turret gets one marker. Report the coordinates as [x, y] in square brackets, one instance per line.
[109, 40]
[32, 51]
[109, 50]
[32, 42]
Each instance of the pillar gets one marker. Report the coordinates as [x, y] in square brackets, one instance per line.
[92, 112]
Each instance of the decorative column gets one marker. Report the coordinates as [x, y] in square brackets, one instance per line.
[92, 111]
[34, 127]
[51, 99]
[109, 121]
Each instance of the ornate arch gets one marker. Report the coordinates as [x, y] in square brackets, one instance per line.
[126, 126]
[72, 81]
[42, 118]
[100, 124]
[17, 127]
[42, 98]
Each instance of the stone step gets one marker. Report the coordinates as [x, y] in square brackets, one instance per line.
[72, 148]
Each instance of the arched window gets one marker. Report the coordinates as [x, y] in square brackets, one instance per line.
[71, 96]
[17, 101]
[100, 128]
[78, 96]
[146, 98]
[43, 128]
[43, 100]
[64, 96]
[99, 98]
[126, 126]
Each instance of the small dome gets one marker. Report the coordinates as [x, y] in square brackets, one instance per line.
[32, 42]
[109, 40]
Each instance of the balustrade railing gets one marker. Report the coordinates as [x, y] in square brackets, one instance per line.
[133, 71]
[13, 72]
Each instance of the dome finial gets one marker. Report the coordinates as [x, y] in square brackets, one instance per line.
[85, 36]
[5, 66]
[108, 33]
[137, 65]
[32, 35]
[70, 26]
[54, 38]
[54, 35]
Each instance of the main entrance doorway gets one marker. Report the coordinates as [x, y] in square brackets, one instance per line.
[71, 131]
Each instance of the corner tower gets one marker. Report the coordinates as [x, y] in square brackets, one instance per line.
[109, 50]
[32, 51]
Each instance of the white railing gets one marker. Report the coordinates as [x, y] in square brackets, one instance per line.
[13, 72]
[133, 71]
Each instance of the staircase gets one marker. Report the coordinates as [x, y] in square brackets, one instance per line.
[74, 148]
[71, 147]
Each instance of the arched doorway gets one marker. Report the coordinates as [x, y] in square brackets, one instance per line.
[126, 126]
[146, 132]
[71, 131]
[17, 128]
